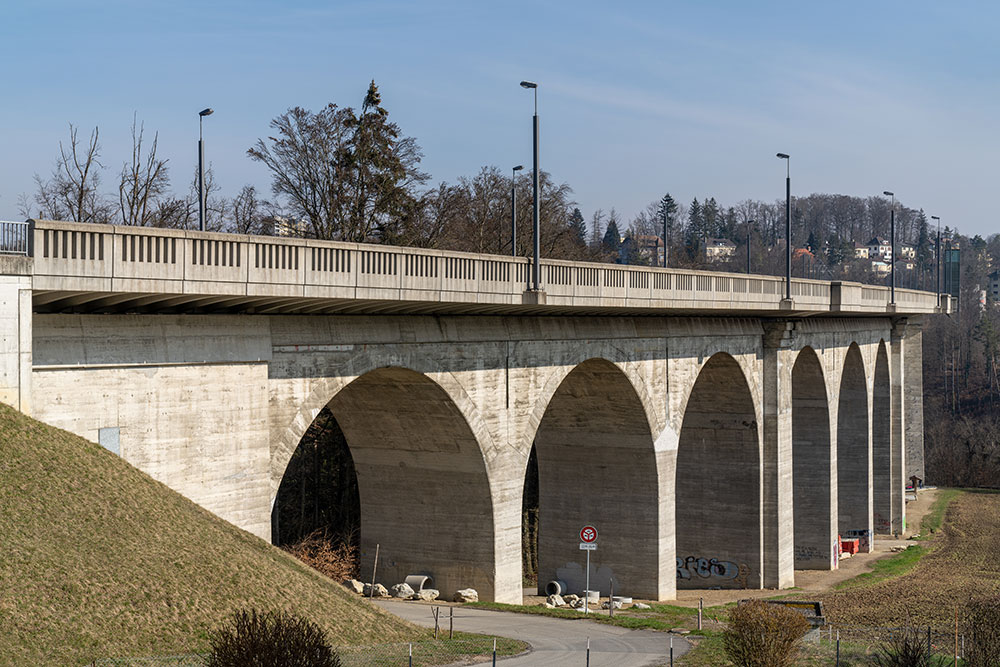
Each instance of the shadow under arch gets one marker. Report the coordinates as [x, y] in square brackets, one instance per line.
[422, 481]
[718, 482]
[854, 456]
[813, 509]
[597, 465]
[883, 482]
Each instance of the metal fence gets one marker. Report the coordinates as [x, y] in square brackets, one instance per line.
[15, 238]
[416, 654]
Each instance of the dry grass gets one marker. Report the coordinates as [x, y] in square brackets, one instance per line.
[963, 564]
[337, 560]
[98, 560]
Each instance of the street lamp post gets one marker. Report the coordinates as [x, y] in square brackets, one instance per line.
[530, 85]
[892, 247]
[201, 169]
[513, 209]
[937, 261]
[788, 224]
[749, 228]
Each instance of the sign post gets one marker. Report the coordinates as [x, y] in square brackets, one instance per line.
[588, 543]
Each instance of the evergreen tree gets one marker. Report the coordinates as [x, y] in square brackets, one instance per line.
[612, 236]
[665, 216]
[694, 233]
[578, 226]
[811, 243]
[925, 254]
[711, 219]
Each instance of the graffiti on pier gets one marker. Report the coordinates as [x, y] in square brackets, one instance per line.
[882, 524]
[864, 538]
[712, 568]
[807, 553]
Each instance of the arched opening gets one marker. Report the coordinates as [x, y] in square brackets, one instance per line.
[881, 446]
[424, 494]
[815, 525]
[596, 465]
[318, 496]
[854, 496]
[718, 483]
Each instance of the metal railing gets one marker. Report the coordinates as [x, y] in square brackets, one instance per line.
[15, 238]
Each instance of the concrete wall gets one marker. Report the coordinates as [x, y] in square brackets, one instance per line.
[185, 394]
[15, 332]
[719, 482]
[854, 455]
[882, 487]
[813, 472]
[597, 465]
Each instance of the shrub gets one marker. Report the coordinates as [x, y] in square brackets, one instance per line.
[763, 635]
[318, 551]
[907, 647]
[982, 633]
[272, 639]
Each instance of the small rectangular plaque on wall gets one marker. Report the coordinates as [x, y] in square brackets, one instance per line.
[109, 439]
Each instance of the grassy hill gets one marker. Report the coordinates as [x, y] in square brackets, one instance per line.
[99, 560]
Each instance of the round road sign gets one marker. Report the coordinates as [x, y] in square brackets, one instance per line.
[588, 534]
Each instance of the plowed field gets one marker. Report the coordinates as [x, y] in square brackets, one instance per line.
[964, 564]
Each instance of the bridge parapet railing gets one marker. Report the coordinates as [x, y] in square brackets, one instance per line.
[15, 238]
[89, 257]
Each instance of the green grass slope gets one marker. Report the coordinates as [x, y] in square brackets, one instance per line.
[97, 559]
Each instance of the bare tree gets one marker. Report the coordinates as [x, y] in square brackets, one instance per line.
[246, 217]
[142, 181]
[73, 191]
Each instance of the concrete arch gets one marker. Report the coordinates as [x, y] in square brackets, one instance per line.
[750, 376]
[597, 465]
[718, 482]
[814, 495]
[883, 481]
[324, 388]
[854, 456]
[422, 479]
[582, 354]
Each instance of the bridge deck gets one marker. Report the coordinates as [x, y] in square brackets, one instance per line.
[101, 268]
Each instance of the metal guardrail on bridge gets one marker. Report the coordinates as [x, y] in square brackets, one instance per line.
[15, 238]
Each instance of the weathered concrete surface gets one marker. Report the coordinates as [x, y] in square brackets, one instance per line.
[15, 332]
[188, 394]
[680, 437]
[814, 474]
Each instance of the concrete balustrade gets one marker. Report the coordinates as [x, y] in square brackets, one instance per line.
[71, 258]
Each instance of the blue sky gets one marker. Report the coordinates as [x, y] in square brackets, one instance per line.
[636, 99]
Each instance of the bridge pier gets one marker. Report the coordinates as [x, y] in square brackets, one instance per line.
[899, 380]
[778, 517]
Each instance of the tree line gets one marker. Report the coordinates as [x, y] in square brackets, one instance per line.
[353, 175]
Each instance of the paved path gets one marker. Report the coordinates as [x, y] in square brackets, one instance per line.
[555, 642]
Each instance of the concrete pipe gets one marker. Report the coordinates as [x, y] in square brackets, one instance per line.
[556, 587]
[419, 582]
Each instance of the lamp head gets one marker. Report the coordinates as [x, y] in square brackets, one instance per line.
[889, 194]
[519, 167]
[934, 217]
[783, 156]
[529, 84]
[206, 112]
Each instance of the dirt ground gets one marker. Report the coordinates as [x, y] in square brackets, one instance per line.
[964, 565]
[809, 582]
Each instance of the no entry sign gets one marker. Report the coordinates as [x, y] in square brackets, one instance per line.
[588, 534]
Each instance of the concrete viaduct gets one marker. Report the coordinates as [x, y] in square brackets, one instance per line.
[717, 434]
